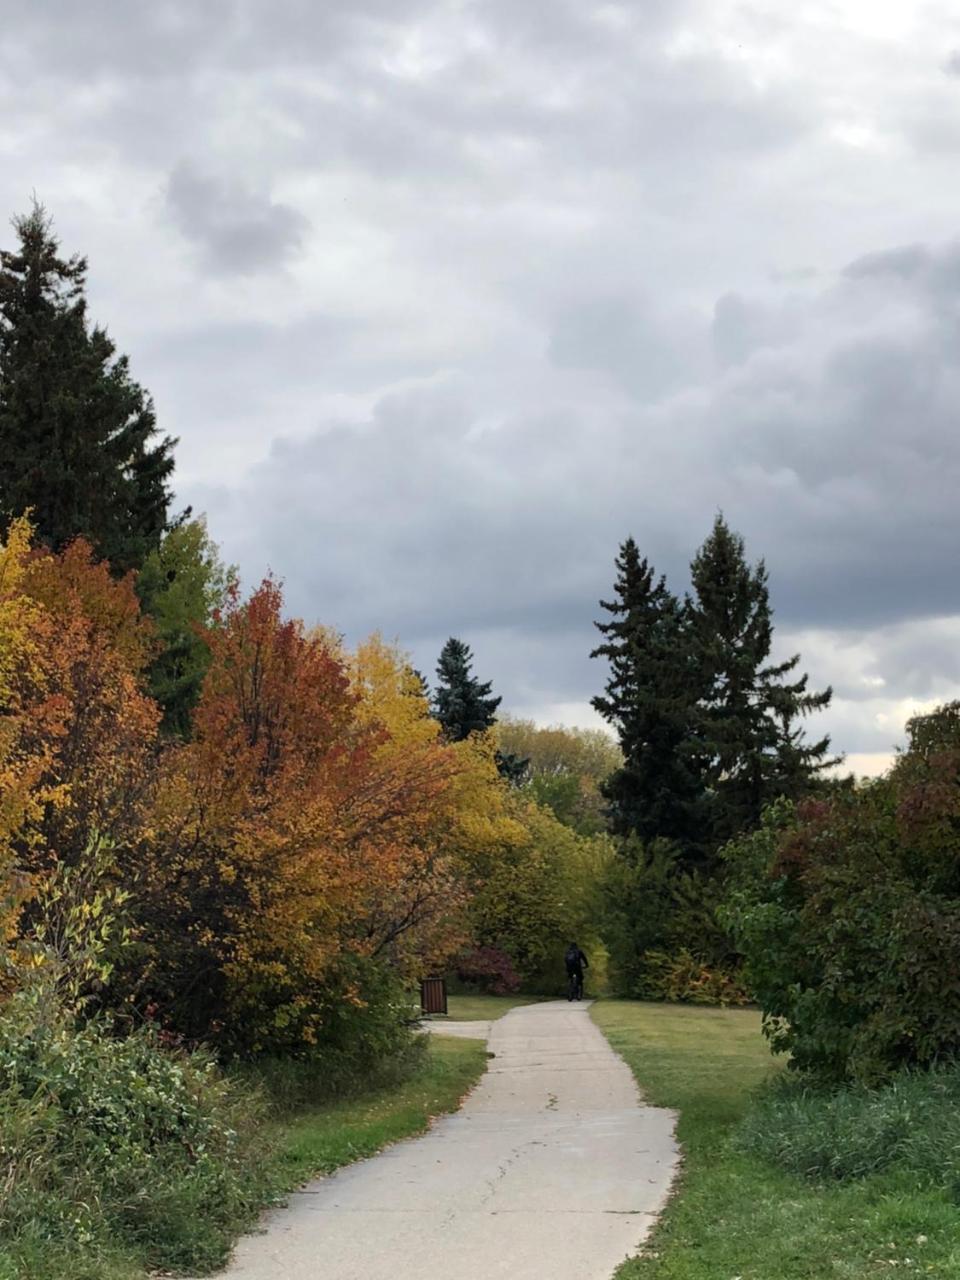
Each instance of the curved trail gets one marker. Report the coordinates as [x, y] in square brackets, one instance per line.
[552, 1170]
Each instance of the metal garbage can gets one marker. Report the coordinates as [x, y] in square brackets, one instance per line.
[433, 995]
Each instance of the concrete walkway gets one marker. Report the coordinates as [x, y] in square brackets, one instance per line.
[552, 1170]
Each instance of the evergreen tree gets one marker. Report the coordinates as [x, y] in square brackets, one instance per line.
[649, 699]
[465, 705]
[516, 769]
[78, 437]
[181, 585]
[749, 712]
[462, 704]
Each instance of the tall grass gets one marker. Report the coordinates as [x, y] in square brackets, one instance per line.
[289, 1085]
[911, 1124]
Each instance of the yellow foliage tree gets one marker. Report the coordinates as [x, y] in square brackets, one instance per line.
[23, 757]
[541, 890]
[565, 768]
[453, 817]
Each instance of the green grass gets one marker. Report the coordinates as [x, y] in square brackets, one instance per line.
[736, 1215]
[323, 1138]
[482, 1008]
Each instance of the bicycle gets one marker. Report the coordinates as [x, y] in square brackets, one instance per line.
[574, 986]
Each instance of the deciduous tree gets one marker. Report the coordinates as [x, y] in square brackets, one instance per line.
[96, 724]
[182, 584]
[566, 767]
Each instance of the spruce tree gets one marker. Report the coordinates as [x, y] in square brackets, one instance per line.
[465, 705]
[649, 699]
[749, 717]
[78, 437]
[462, 704]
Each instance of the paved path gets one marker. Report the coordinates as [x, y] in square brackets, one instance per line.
[552, 1170]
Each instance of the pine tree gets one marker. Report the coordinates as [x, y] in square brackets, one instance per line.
[754, 746]
[649, 699]
[465, 705]
[77, 435]
[462, 704]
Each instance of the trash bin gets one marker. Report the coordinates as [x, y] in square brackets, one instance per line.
[433, 995]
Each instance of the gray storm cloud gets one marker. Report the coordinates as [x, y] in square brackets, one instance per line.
[238, 231]
[444, 300]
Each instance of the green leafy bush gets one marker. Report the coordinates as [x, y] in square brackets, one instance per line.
[911, 1123]
[847, 910]
[661, 928]
[369, 1042]
[109, 1143]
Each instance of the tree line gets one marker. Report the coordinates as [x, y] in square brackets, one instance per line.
[220, 822]
[711, 731]
[745, 868]
[214, 818]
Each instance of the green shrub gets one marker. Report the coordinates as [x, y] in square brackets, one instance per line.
[369, 1042]
[847, 910]
[110, 1144]
[661, 928]
[684, 978]
[911, 1123]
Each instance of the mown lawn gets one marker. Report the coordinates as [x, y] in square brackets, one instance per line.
[482, 1008]
[735, 1217]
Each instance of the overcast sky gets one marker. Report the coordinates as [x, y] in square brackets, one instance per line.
[444, 299]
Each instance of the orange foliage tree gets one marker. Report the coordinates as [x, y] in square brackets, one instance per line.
[95, 726]
[239, 884]
[292, 831]
[407, 842]
[23, 759]
[76, 731]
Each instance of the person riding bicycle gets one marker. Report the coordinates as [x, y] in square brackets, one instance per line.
[576, 962]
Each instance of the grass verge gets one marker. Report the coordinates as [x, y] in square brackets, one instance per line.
[319, 1139]
[483, 1008]
[737, 1216]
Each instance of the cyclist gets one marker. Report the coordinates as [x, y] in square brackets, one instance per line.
[576, 962]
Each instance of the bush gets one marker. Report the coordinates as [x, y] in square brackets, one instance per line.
[847, 910]
[488, 970]
[662, 931]
[911, 1123]
[111, 1143]
[369, 1042]
[685, 978]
